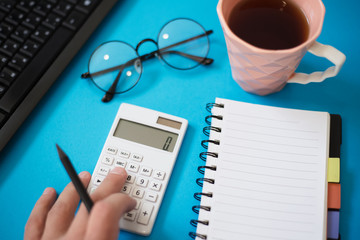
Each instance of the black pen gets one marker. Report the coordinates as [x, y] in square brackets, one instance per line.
[84, 196]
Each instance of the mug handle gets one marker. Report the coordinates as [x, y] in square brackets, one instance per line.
[328, 52]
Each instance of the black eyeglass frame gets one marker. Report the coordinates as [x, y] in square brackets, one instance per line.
[109, 94]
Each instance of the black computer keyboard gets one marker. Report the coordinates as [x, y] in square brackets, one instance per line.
[37, 40]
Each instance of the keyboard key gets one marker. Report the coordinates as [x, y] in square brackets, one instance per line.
[150, 196]
[7, 5]
[124, 154]
[130, 178]
[126, 189]
[3, 61]
[32, 20]
[111, 150]
[5, 30]
[18, 62]
[30, 48]
[43, 7]
[92, 190]
[103, 171]
[120, 163]
[26, 5]
[108, 160]
[142, 182]
[98, 180]
[159, 175]
[2, 90]
[41, 34]
[145, 213]
[9, 47]
[136, 157]
[155, 186]
[7, 76]
[146, 171]
[74, 20]
[138, 192]
[86, 6]
[21, 33]
[138, 203]
[130, 216]
[52, 21]
[63, 8]
[133, 167]
[15, 17]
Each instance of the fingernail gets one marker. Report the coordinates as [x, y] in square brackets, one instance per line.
[83, 174]
[118, 171]
[47, 191]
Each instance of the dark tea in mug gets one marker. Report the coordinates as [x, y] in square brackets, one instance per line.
[269, 24]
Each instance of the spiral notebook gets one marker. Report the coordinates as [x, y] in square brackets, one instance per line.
[265, 173]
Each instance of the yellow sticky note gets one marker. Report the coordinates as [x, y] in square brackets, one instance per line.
[334, 170]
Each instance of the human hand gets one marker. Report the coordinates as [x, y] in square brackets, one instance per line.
[53, 218]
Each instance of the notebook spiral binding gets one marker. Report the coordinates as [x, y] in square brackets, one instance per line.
[201, 169]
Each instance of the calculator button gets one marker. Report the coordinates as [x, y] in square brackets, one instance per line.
[138, 192]
[150, 196]
[138, 202]
[98, 180]
[130, 178]
[126, 189]
[145, 213]
[142, 182]
[92, 190]
[146, 171]
[111, 150]
[159, 175]
[108, 160]
[120, 163]
[103, 171]
[130, 215]
[133, 167]
[155, 186]
[124, 154]
[136, 157]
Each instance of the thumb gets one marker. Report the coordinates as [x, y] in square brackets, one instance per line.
[105, 216]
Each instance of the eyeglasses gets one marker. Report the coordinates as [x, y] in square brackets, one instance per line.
[115, 67]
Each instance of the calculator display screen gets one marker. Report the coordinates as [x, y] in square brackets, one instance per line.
[146, 135]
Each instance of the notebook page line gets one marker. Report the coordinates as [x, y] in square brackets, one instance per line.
[266, 209]
[270, 134]
[267, 158]
[267, 166]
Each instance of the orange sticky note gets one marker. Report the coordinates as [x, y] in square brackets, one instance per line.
[334, 195]
[333, 170]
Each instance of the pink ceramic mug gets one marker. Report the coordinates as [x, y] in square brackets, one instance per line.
[263, 71]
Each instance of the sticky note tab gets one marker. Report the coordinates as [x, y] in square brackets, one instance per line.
[334, 170]
[334, 195]
[333, 221]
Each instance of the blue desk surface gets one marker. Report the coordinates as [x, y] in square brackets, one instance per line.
[72, 115]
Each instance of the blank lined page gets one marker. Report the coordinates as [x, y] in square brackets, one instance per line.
[270, 181]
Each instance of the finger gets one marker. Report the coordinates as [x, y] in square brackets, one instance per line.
[35, 225]
[113, 183]
[105, 216]
[63, 211]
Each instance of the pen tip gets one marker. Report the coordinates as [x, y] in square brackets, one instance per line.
[60, 151]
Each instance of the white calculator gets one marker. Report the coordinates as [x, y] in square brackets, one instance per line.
[146, 143]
